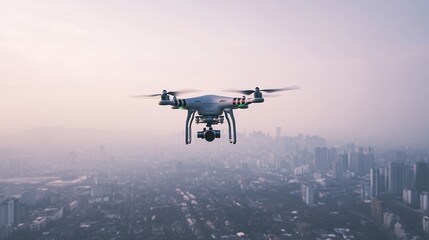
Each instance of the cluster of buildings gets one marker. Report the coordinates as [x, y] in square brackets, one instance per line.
[410, 181]
[265, 188]
[33, 208]
[396, 189]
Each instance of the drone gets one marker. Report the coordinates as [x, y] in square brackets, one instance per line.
[210, 109]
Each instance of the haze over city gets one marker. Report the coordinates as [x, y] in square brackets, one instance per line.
[332, 139]
[361, 66]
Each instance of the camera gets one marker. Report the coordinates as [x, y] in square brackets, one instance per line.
[209, 135]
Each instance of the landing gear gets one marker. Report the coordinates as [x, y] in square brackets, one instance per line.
[208, 133]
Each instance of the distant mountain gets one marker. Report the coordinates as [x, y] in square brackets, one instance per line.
[59, 137]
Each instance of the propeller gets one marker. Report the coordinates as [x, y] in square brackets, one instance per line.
[164, 92]
[269, 90]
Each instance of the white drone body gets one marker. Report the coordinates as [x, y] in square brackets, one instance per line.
[210, 109]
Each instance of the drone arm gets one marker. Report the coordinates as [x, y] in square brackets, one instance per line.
[254, 100]
[166, 102]
[188, 130]
[230, 119]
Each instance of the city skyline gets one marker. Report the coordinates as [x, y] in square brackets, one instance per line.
[288, 187]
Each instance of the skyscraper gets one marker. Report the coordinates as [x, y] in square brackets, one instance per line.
[8, 211]
[424, 201]
[409, 177]
[421, 173]
[307, 194]
[396, 177]
[321, 160]
[3, 212]
[16, 211]
[365, 191]
[353, 162]
[369, 159]
[410, 196]
[376, 182]
[337, 170]
[426, 224]
[344, 158]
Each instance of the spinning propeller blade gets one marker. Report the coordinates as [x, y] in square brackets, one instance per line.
[270, 90]
[145, 96]
[245, 92]
[183, 91]
[172, 93]
[279, 89]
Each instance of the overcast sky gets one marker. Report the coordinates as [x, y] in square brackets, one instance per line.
[363, 66]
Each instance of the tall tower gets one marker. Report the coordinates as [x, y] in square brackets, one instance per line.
[424, 201]
[421, 174]
[396, 177]
[426, 224]
[16, 211]
[376, 182]
[321, 159]
[7, 212]
[337, 169]
[11, 212]
[307, 194]
[332, 157]
[3, 212]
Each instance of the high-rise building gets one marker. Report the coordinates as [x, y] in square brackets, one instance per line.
[338, 170]
[351, 148]
[396, 177]
[421, 173]
[321, 160]
[410, 196]
[376, 182]
[426, 224]
[424, 201]
[384, 172]
[17, 211]
[409, 177]
[307, 194]
[9, 213]
[344, 158]
[3, 212]
[353, 162]
[361, 161]
[365, 192]
[332, 157]
[367, 159]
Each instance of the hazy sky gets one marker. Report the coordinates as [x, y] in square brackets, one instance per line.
[363, 66]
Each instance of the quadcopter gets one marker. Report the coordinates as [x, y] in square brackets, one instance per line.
[210, 109]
